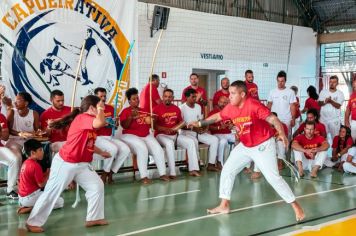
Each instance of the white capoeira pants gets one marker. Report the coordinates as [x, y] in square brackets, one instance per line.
[30, 200]
[141, 147]
[264, 156]
[118, 150]
[353, 129]
[332, 127]
[224, 139]
[349, 168]
[281, 153]
[329, 163]
[8, 158]
[186, 142]
[208, 139]
[308, 164]
[61, 175]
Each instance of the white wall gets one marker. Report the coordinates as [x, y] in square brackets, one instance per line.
[244, 43]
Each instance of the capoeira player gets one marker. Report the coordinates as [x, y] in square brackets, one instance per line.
[350, 163]
[168, 117]
[73, 163]
[253, 123]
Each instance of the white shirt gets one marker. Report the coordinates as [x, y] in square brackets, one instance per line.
[352, 152]
[191, 114]
[281, 101]
[328, 111]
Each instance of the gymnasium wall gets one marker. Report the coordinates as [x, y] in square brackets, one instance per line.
[264, 47]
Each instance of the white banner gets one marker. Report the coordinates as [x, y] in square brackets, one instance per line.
[40, 43]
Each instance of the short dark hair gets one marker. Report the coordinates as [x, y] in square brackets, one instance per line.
[130, 92]
[282, 74]
[31, 145]
[294, 88]
[56, 92]
[334, 77]
[240, 85]
[26, 96]
[310, 123]
[315, 113]
[154, 77]
[248, 72]
[99, 89]
[193, 74]
[274, 113]
[168, 90]
[189, 92]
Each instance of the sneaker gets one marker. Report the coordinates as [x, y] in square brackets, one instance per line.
[12, 195]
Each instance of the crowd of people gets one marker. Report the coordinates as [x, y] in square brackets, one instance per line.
[152, 125]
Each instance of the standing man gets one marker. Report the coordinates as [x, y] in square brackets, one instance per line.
[192, 112]
[224, 91]
[168, 117]
[351, 110]
[146, 95]
[252, 89]
[282, 101]
[253, 122]
[330, 101]
[118, 150]
[201, 96]
[57, 111]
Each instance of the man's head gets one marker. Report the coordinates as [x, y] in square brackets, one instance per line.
[33, 149]
[333, 82]
[57, 99]
[312, 115]
[132, 97]
[191, 96]
[281, 79]
[194, 79]
[101, 93]
[309, 129]
[249, 76]
[223, 101]
[295, 89]
[155, 80]
[23, 100]
[168, 96]
[225, 83]
[238, 92]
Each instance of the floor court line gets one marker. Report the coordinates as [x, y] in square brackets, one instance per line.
[232, 211]
[170, 195]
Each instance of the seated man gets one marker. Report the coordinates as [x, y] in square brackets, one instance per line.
[309, 150]
[191, 111]
[350, 163]
[168, 117]
[32, 179]
[312, 115]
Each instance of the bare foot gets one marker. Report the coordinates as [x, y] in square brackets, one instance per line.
[104, 177]
[172, 177]
[256, 175]
[164, 178]
[96, 223]
[247, 170]
[194, 173]
[110, 180]
[34, 229]
[219, 210]
[314, 172]
[301, 173]
[212, 167]
[146, 181]
[218, 165]
[280, 165]
[24, 210]
[298, 210]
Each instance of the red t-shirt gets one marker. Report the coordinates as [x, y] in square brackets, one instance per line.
[56, 135]
[79, 146]
[199, 90]
[3, 124]
[252, 90]
[319, 129]
[342, 144]
[138, 126]
[167, 116]
[145, 97]
[31, 176]
[217, 95]
[220, 131]
[311, 103]
[107, 130]
[352, 105]
[250, 121]
[306, 143]
[297, 115]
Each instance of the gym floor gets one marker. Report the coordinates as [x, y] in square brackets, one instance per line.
[179, 208]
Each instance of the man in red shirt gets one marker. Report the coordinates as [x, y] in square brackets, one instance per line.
[136, 134]
[224, 91]
[168, 117]
[146, 97]
[309, 150]
[57, 111]
[312, 115]
[253, 122]
[201, 98]
[8, 158]
[32, 179]
[222, 130]
[252, 89]
[351, 110]
[118, 150]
